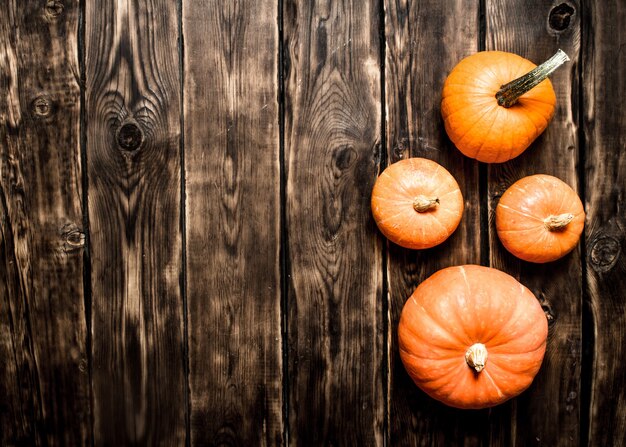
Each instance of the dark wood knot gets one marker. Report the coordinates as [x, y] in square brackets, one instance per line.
[72, 238]
[129, 137]
[560, 16]
[53, 9]
[345, 157]
[397, 153]
[42, 106]
[604, 252]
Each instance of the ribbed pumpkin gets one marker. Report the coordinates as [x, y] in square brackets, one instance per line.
[472, 336]
[416, 203]
[495, 104]
[539, 218]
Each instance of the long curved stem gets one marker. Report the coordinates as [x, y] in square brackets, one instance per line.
[510, 92]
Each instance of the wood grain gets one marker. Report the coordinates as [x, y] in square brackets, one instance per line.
[44, 382]
[549, 412]
[232, 169]
[134, 169]
[604, 121]
[416, 68]
[332, 150]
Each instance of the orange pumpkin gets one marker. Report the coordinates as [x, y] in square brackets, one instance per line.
[416, 203]
[472, 336]
[492, 110]
[539, 218]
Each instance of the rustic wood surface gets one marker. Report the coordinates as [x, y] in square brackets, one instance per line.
[332, 151]
[132, 101]
[232, 214]
[187, 254]
[604, 126]
[44, 381]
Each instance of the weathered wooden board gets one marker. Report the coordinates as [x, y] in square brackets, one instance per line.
[134, 198]
[44, 381]
[549, 412]
[232, 177]
[415, 69]
[332, 151]
[604, 124]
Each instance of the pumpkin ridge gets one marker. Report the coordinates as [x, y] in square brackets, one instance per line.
[525, 372]
[496, 352]
[398, 184]
[452, 373]
[520, 212]
[434, 218]
[435, 173]
[461, 324]
[566, 195]
[457, 384]
[493, 382]
[486, 103]
[520, 230]
[450, 339]
[482, 145]
[387, 218]
[498, 330]
[538, 242]
[526, 103]
[439, 358]
[472, 126]
[479, 64]
[441, 326]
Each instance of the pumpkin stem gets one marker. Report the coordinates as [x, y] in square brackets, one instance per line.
[510, 92]
[421, 204]
[558, 223]
[476, 356]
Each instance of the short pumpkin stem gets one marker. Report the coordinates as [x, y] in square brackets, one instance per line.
[558, 223]
[510, 92]
[476, 356]
[421, 204]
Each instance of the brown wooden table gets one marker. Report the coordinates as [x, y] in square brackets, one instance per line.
[187, 251]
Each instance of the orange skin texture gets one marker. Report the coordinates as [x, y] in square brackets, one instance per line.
[457, 307]
[521, 212]
[392, 203]
[476, 124]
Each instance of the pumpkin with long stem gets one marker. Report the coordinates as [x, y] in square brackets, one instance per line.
[495, 104]
[472, 336]
[540, 218]
[417, 203]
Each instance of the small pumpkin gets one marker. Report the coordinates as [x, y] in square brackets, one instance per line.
[495, 104]
[539, 218]
[416, 203]
[472, 336]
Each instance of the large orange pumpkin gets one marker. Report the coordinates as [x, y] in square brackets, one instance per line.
[495, 104]
[539, 218]
[416, 203]
[472, 336]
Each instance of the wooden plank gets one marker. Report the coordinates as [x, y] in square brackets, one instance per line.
[44, 381]
[232, 169]
[134, 169]
[549, 412]
[332, 151]
[424, 41]
[604, 121]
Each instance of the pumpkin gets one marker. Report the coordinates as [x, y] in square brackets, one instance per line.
[472, 336]
[495, 104]
[539, 218]
[416, 203]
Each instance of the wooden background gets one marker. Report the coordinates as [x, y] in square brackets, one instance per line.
[187, 255]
